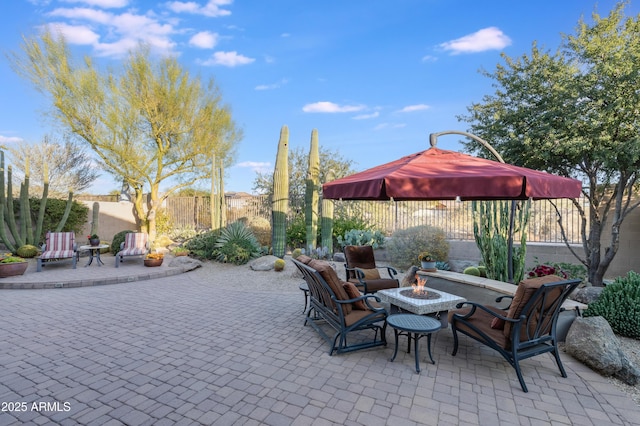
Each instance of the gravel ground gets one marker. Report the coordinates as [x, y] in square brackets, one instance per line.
[243, 277]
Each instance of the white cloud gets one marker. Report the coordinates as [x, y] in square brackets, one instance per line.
[101, 3]
[211, 9]
[272, 86]
[228, 59]
[75, 34]
[256, 166]
[491, 38]
[204, 40]
[412, 108]
[10, 139]
[84, 13]
[330, 107]
[382, 126]
[429, 58]
[366, 116]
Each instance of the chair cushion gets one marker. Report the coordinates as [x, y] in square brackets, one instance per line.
[498, 323]
[360, 257]
[525, 290]
[354, 293]
[335, 283]
[482, 321]
[60, 241]
[375, 285]
[371, 274]
[357, 315]
[303, 259]
[57, 254]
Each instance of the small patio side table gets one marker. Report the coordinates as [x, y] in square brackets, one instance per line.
[414, 327]
[94, 251]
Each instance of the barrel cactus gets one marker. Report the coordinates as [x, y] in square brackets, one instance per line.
[278, 265]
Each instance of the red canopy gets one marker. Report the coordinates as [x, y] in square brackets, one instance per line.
[437, 174]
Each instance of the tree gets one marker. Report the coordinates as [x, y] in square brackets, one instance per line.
[298, 165]
[150, 123]
[576, 113]
[70, 167]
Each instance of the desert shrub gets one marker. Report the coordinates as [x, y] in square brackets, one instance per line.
[472, 270]
[202, 245]
[183, 233]
[236, 244]
[260, 227]
[342, 225]
[405, 244]
[443, 266]
[164, 222]
[296, 232]
[53, 214]
[562, 269]
[27, 251]
[619, 304]
[362, 237]
[117, 240]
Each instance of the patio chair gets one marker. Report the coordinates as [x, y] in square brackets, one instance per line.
[361, 270]
[58, 246]
[524, 329]
[134, 244]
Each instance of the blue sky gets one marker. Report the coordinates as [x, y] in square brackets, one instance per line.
[374, 77]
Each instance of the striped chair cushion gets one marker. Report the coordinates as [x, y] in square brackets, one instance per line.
[59, 245]
[134, 243]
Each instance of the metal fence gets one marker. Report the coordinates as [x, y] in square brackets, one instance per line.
[455, 218]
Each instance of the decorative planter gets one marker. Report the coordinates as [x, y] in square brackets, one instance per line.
[153, 262]
[94, 242]
[12, 269]
[428, 266]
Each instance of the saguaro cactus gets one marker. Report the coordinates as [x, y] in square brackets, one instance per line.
[25, 234]
[218, 206]
[280, 202]
[311, 192]
[326, 222]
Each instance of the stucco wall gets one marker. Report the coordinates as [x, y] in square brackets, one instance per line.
[113, 218]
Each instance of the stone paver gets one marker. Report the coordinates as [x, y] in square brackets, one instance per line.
[188, 349]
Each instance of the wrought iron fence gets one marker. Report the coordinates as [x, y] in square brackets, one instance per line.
[455, 218]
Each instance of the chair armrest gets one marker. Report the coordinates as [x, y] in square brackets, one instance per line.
[121, 246]
[475, 306]
[359, 273]
[499, 299]
[392, 271]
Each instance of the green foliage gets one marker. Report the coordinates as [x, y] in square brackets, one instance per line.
[260, 227]
[54, 212]
[483, 271]
[619, 304]
[236, 244]
[472, 270]
[362, 237]
[296, 232]
[202, 245]
[574, 113]
[117, 240]
[164, 222]
[183, 233]
[27, 251]
[567, 270]
[443, 266]
[405, 244]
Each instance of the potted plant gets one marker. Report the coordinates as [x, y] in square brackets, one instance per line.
[181, 251]
[153, 259]
[12, 265]
[94, 240]
[427, 261]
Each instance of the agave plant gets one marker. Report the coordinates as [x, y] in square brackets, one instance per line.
[236, 244]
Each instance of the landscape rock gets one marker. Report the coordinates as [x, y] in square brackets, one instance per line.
[185, 262]
[410, 277]
[592, 341]
[339, 257]
[587, 295]
[264, 263]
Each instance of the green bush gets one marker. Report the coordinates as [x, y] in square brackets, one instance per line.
[117, 240]
[296, 232]
[483, 271]
[472, 270]
[260, 227]
[202, 245]
[342, 225]
[164, 222]
[619, 304]
[27, 251]
[236, 244]
[53, 214]
[405, 244]
[362, 237]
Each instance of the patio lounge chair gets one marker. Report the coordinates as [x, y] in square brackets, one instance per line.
[134, 244]
[340, 305]
[525, 329]
[58, 246]
[361, 270]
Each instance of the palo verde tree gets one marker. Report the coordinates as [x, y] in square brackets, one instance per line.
[575, 112]
[150, 122]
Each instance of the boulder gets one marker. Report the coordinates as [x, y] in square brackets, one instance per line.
[185, 262]
[587, 295]
[264, 263]
[339, 257]
[410, 277]
[592, 341]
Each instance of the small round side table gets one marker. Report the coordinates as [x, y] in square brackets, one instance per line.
[94, 251]
[414, 327]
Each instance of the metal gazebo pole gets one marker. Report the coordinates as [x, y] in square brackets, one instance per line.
[433, 139]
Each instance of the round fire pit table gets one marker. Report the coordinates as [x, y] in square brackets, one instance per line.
[414, 327]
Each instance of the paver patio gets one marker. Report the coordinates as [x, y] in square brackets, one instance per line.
[191, 349]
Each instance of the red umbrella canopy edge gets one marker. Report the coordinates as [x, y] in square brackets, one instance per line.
[437, 174]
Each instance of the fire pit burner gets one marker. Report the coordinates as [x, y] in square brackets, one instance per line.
[420, 295]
